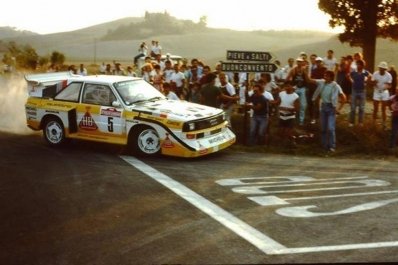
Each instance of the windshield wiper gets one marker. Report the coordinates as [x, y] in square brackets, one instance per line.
[139, 101]
[155, 98]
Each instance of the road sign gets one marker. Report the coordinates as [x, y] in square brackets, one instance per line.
[249, 56]
[249, 67]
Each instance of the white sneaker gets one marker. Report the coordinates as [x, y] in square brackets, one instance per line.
[313, 121]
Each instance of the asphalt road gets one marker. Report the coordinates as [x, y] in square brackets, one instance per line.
[90, 204]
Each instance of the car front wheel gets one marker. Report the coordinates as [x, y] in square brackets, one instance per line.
[54, 132]
[146, 141]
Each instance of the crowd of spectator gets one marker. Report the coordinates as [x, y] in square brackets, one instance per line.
[306, 91]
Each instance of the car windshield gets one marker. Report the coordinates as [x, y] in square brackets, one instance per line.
[135, 91]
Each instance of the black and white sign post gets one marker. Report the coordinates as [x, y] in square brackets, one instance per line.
[248, 62]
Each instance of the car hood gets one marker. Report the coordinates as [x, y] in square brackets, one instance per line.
[176, 110]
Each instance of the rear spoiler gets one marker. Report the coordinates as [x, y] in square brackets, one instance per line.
[47, 85]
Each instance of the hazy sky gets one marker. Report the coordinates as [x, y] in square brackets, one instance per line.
[48, 16]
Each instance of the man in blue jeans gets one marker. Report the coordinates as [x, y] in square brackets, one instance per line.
[259, 121]
[329, 91]
[300, 78]
[358, 79]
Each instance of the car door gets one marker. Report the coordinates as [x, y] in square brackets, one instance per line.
[96, 117]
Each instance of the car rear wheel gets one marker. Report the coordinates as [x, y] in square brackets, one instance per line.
[146, 141]
[54, 131]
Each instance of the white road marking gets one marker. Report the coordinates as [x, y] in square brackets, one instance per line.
[252, 235]
[252, 190]
[273, 200]
[339, 247]
[303, 211]
[290, 179]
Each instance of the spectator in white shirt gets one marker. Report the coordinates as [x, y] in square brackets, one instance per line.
[168, 93]
[381, 81]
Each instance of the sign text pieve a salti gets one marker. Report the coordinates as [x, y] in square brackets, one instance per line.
[249, 56]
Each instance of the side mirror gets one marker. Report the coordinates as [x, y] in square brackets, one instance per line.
[116, 104]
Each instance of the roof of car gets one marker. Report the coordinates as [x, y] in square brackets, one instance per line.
[103, 78]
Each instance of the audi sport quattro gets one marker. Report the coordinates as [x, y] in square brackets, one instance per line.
[122, 110]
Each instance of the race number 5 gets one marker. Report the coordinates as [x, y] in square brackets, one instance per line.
[110, 124]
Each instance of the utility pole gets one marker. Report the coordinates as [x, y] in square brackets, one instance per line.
[95, 51]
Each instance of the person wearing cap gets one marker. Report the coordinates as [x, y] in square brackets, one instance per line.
[381, 81]
[303, 55]
[299, 76]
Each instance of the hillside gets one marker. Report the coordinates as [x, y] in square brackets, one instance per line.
[103, 42]
[64, 41]
[10, 32]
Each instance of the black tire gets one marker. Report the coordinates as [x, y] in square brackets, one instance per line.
[54, 131]
[145, 141]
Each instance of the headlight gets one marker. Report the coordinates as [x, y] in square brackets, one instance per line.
[191, 126]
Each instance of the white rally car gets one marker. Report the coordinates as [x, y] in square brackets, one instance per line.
[122, 110]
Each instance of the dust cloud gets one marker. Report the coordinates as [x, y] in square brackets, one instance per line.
[13, 95]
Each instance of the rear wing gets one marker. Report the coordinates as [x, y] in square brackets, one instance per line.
[47, 85]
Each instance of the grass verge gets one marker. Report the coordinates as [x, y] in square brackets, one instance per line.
[367, 141]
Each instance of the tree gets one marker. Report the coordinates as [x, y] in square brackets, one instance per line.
[364, 21]
[203, 22]
[28, 58]
[22, 57]
[57, 58]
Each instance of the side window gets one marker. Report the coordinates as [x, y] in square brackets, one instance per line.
[70, 93]
[98, 95]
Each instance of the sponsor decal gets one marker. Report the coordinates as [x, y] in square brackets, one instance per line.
[202, 150]
[161, 115]
[175, 123]
[31, 111]
[52, 111]
[213, 121]
[167, 142]
[112, 112]
[132, 121]
[216, 139]
[87, 122]
[59, 105]
[191, 109]
[33, 88]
